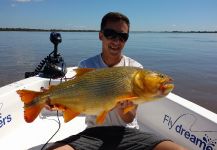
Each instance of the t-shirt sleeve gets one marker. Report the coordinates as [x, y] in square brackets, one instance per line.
[132, 62]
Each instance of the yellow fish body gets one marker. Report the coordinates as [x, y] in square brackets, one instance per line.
[97, 91]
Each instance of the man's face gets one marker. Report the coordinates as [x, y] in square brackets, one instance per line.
[113, 46]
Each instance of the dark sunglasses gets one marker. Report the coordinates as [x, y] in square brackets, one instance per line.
[112, 34]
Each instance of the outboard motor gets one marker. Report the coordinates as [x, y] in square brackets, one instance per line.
[53, 66]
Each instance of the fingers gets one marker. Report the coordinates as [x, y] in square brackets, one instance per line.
[127, 110]
[43, 89]
[48, 106]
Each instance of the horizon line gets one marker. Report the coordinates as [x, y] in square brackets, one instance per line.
[93, 30]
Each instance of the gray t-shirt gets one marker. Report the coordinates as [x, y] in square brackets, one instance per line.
[112, 118]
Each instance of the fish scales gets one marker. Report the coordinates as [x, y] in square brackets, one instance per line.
[115, 83]
[95, 92]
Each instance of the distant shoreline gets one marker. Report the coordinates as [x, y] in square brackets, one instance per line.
[44, 30]
[75, 30]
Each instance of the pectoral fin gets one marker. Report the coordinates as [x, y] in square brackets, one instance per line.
[68, 115]
[126, 97]
[101, 117]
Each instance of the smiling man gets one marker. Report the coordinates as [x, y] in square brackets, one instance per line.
[119, 131]
[113, 35]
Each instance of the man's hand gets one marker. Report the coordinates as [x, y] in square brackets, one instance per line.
[47, 105]
[128, 116]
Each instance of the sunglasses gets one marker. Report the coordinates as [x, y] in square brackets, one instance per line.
[112, 34]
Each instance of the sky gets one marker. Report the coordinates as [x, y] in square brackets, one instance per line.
[144, 15]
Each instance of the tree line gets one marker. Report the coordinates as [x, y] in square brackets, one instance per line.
[76, 30]
[45, 30]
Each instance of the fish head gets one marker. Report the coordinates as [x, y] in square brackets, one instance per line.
[152, 85]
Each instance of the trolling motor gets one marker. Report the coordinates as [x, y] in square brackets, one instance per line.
[52, 66]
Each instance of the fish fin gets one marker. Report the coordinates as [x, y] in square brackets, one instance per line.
[68, 115]
[129, 108]
[82, 71]
[101, 117]
[30, 113]
[126, 97]
[27, 95]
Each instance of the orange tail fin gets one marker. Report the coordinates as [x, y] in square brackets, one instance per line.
[31, 110]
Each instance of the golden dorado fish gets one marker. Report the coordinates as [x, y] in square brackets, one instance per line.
[97, 91]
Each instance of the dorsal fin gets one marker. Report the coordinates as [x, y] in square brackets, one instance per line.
[82, 71]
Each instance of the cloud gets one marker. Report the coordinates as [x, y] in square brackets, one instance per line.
[26, 1]
[23, 1]
[13, 5]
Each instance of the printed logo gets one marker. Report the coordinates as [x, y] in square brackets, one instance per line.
[204, 143]
[4, 119]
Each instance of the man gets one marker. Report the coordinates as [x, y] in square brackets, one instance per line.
[119, 131]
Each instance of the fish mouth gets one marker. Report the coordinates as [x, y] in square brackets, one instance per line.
[166, 87]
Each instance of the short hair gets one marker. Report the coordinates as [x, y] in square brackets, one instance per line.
[114, 17]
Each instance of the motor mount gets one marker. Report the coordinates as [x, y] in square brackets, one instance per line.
[52, 66]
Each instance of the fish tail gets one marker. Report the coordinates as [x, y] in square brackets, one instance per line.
[31, 108]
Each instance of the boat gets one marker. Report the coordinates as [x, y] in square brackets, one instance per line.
[174, 117]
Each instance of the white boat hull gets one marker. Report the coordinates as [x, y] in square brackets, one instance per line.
[173, 117]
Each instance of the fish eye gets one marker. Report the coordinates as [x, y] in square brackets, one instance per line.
[161, 75]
